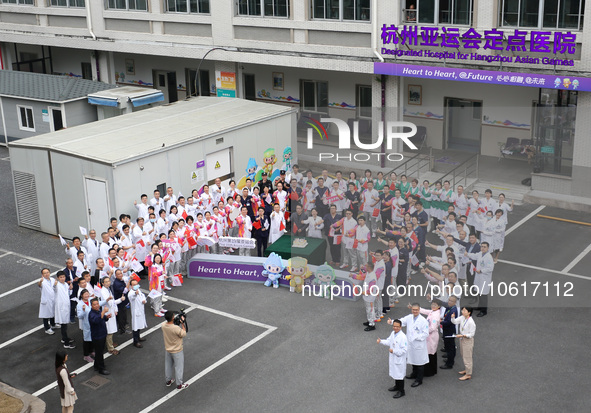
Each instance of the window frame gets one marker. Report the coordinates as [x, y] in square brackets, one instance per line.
[436, 12]
[540, 25]
[127, 6]
[358, 107]
[261, 5]
[27, 128]
[306, 109]
[68, 4]
[341, 12]
[18, 2]
[189, 8]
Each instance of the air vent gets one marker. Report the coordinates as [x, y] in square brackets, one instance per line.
[26, 199]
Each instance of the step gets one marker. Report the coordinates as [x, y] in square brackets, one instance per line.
[514, 193]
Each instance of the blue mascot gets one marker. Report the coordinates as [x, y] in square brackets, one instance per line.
[273, 269]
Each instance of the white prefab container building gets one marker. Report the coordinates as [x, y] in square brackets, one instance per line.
[83, 176]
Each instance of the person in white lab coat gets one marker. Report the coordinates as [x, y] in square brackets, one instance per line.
[277, 219]
[107, 295]
[417, 331]
[157, 202]
[142, 207]
[62, 307]
[137, 299]
[92, 245]
[72, 252]
[47, 304]
[315, 224]
[483, 275]
[398, 347]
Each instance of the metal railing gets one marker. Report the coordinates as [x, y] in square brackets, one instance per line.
[414, 166]
[460, 174]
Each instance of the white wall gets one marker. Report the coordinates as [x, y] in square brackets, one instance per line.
[70, 193]
[500, 104]
[35, 162]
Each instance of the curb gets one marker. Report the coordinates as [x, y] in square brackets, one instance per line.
[31, 404]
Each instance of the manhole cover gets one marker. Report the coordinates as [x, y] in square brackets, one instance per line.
[96, 382]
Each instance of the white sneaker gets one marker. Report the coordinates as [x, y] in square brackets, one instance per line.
[167, 288]
[413, 272]
[343, 266]
[353, 269]
[49, 331]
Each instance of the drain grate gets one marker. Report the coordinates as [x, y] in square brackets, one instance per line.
[96, 382]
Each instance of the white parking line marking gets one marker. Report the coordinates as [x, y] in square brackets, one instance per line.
[20, 288]
[524, 220]
[209, 369]
[31, 258]
[31, 331]
[576, 260]
[546, 270]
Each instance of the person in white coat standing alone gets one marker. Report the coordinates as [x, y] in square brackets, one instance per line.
[417, 331]
[398, 347]
[47, 304]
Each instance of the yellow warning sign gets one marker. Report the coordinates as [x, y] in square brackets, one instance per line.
[217, 165]
[194, 175]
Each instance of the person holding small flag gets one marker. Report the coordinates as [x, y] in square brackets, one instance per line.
[260, 231]
[277, 219]
[244, 224]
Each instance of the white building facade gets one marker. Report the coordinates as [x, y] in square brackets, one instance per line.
[320, 56]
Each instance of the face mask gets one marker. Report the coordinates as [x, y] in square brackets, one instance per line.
[136, 287]
[152, 220]
[489, 218]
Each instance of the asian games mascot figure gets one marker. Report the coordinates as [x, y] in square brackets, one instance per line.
[298, 272]
[251, 168]
[325, 277]
[269, 159]
[273, 269]
[287, 155]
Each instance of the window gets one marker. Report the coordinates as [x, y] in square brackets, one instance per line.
[25, 118]
[19, 2]
[314, 96]
[67, 3]
[551, 14]
[139, 5]
[457, 12]
[363, 101]
[356, 10]
[270, 8]
[187, 6]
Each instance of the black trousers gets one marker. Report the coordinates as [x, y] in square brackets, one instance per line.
[483, 303]
[335, 250]
[399, 385]
[64, 329]
[73, 305]
[386, 216]
[136, 336]
[261, 245]
[121, 316]
[48, 323]
[449, 344]
[87, 348]
[418, 372]
[422, 253]
[431, 367]
[99, 348]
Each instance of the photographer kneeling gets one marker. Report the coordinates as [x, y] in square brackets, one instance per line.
[173, 343]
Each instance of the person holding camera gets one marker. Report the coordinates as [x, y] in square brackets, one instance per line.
[173, 344]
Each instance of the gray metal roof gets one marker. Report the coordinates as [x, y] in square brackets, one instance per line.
[47, 88]
[123, 138]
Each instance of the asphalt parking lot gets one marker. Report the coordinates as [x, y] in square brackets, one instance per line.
[255, 349]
